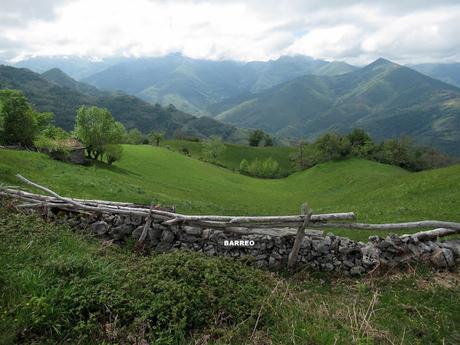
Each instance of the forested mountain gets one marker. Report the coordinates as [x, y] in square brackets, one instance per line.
[75, 67]
[383, 98]
[195, 85]
[447, 72]
[60, 94]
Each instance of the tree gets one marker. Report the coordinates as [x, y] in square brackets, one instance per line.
[333, 146]
[113, 153]
[134, 137]
[255, 137]
[95, 127]
[212, 148]
[18, 122]
[268, 141]
[156, 137]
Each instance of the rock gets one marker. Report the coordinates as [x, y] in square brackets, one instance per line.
[327, 267]
[348, 264]
[163, 247]
[191, 230]
[136, 234]
[453, 245]
[99, 228]
[167, 236]
[356, 270]
[442, 257]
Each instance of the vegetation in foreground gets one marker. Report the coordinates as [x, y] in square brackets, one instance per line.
[376, 192]
[57, 286]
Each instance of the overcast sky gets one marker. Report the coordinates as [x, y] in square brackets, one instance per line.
[405, 31]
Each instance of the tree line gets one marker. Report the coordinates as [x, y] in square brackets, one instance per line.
[402, 152]
[95, 128]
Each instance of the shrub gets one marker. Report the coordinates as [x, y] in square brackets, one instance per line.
[212, 148]
[113, 153]
[265, 168]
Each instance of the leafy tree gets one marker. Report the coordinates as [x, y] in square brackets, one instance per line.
[255, 137]
[113, 153]
[244, 166]
[134, 137]
[332, 146]
[95, 127]
[156, 138]
[268, 140]
[18, 122]
[213, 148]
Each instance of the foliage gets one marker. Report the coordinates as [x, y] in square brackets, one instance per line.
[255, 137]
[18, 122]
[113, 153]
[134, 137]
[156, 138]
[265, 168]
[212, 148]
[233, 154]
[96, 128]
[268, 140]
[76, 291]
[401, 152]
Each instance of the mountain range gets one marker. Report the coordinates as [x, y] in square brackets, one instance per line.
[292, 97]
[447, 72]
[56, 92]
[384, 98]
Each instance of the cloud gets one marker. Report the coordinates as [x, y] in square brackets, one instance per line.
[357, 32]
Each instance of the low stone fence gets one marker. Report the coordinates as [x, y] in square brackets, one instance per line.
[269, 241]
[270, 248]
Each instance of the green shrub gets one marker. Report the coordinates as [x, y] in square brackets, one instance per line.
[113, 153]
[265, 168]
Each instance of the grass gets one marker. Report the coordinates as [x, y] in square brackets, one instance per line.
[234, 154]
[57, 286]
[376, 192]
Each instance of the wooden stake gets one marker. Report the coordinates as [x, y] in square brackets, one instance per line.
[146, 226]
[306, 212]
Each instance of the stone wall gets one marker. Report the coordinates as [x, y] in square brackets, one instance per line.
[319, 251]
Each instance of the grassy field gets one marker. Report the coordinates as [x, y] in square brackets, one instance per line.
[233, 154]
[376, 192]
[61, 287]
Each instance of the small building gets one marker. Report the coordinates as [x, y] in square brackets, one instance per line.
[71, 150]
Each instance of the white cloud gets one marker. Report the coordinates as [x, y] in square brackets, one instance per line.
[357, 32]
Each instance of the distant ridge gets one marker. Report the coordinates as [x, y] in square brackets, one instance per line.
[56, 92]
[383, 97]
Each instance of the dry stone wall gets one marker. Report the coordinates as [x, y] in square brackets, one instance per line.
[320, 251]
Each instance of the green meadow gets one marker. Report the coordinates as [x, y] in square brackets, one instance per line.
[374, 191]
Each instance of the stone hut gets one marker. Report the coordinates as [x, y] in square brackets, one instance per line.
[74, 152]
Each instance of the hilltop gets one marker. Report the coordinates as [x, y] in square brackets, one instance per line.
[56, 92]
[383, 98]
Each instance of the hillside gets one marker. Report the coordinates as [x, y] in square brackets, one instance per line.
[383, 98]
[56, 92]
[193, 85]
[447, 72]
[233, 154]
[376, 192]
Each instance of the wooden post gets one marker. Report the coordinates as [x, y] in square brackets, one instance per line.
[306, 212]
[148, 220]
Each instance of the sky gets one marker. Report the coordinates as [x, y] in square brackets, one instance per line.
[358, 32]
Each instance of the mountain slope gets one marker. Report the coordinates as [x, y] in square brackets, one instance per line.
[60, 94]
[447, 72]
[195, 85]
[384, 98]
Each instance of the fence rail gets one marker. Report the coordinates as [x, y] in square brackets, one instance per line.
[236, 224]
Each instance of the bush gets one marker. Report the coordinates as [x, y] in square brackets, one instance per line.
[265, 168]
[113, 153]
[212, 148]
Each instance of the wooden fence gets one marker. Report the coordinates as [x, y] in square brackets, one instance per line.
[235, 224]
